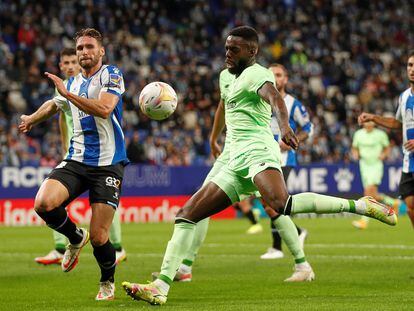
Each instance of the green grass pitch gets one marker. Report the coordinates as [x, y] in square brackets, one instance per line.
[355, 270]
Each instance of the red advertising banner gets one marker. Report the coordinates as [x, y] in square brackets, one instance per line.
[20, 212]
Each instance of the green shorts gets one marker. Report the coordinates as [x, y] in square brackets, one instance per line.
[236, 176]
[218, 164]
[371, 174]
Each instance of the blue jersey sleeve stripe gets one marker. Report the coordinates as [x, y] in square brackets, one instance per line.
[70, 149]
[113, 92]
[307, 127]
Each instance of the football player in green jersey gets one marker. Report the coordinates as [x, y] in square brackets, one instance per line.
[249, 94]
[371, 147]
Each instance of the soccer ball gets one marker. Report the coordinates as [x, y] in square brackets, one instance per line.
[158, 100]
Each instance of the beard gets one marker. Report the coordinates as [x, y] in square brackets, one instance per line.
[89, 63]
[239, 67]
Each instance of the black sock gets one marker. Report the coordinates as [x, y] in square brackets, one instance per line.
[60, 250]
[105, 256]
[251, 217]
[277, 240]
[299, 230]
[58, 220]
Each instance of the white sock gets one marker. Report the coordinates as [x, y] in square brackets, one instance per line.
[360, 207]
[184, 269]
[162, 286]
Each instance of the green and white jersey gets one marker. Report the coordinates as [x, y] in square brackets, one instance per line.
[247, 115]
[68, 118]
[370, 145]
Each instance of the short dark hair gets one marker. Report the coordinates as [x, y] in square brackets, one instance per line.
[67, 52]
[280, 66]
[246, 32]
[410, 53]
[89, 32]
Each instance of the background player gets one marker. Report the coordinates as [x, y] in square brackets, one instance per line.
[300, 123]
[253, 163]
[69, 67]
[403, 120]
[371, 147]
[95, 160]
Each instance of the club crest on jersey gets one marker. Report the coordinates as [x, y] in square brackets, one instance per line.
[114, 80]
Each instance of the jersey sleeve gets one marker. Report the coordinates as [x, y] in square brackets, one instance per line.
[259, 77]
[58, 99]
[112, 81]
[355, 140]
[398, 114]
[301, 117]
[222, 85]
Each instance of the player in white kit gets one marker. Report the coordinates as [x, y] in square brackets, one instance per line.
[95, 160]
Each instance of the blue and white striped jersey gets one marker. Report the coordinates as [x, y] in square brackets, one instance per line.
[405, 114]
[96, 141]
[298, 117]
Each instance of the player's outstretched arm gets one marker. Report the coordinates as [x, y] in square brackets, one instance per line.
[101, 107]
[387, 122]
[272, 96]
[218, 126]
[45, 111]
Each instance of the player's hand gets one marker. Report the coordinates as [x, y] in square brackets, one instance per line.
[25, 123]
[60, 87]
[215, 149]
[284, 147]
[409, 145]
[365, 117]
[289, 137]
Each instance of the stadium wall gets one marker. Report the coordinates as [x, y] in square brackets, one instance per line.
[155, 193]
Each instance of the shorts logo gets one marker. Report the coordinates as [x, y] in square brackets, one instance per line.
[62, 164]
[112, 182]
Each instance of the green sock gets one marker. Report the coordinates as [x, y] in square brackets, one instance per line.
[60, 241]
[289, 235]
[177, 247]
[115, 234]
[199, 237]
[309, 202]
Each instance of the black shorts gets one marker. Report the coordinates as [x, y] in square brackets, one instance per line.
[103, 182]
[406, 187]
[286, 171]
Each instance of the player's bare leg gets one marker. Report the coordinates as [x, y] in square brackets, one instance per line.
[50, 203]
[103, 250]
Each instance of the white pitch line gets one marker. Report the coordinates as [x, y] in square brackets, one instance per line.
[318, 245]
[254, 255]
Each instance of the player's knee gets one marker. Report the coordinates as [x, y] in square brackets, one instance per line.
[277, 203]
[44, 204]
[99, 238]
[184, 213]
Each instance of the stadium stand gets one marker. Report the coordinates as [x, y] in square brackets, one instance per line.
[337, 67]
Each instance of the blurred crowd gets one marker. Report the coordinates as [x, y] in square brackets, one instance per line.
[343, 57]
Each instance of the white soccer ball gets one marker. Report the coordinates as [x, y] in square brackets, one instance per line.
[158, 100]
